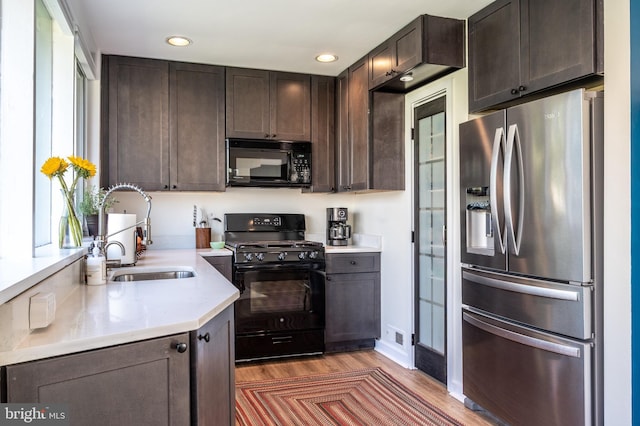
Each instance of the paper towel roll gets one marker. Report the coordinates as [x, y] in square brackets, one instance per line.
[115, 222]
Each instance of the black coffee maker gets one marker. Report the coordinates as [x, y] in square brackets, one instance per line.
[338, 232]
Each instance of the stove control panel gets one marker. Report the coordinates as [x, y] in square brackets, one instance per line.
[267, 221]
[279, 256]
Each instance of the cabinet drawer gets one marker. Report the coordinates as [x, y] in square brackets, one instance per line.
[339, 263]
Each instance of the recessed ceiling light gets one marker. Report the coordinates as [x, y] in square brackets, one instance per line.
[326, 57]
[179, 41]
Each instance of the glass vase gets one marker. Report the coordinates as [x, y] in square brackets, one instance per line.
[69, 230]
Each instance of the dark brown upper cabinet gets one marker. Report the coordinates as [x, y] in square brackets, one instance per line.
[428, 47]
[322, 134]
[352, 156]
[369, 134]
[519, 48]
[196, 143]
[165, 124]
[268, 105]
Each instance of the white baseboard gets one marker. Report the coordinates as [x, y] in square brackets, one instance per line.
[399, 357]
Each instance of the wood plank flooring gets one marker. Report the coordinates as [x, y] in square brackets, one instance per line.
[423, 385]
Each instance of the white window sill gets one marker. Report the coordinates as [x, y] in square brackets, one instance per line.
[17, 275]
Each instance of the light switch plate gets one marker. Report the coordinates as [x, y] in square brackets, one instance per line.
[42, 310]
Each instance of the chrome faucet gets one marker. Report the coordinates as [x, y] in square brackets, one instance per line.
[101, 238]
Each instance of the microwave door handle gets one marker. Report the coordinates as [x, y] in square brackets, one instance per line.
[498, 145]
[513, 142]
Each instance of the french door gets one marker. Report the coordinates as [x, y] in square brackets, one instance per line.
[429, 226]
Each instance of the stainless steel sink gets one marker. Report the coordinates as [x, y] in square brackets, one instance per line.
[146, 274]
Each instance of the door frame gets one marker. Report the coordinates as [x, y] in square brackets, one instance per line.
[454, 87]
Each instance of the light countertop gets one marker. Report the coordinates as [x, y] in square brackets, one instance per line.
[359, 243]
[352, 249]
[121, 312]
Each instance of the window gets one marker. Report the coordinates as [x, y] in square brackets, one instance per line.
[38, 118]
[43, 109]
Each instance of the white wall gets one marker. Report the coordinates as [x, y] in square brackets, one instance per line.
[617, 216]
[172, 213]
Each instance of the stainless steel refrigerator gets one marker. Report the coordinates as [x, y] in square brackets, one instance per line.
[531, 229]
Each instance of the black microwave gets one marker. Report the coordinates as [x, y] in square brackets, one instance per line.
[252, 162]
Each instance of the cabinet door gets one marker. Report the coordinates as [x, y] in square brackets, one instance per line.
[134, 384]
[359, 125]
[406, 46]
[138, 117]
[559, 41]
[322, 133]
[400, 53]
[342, 155]
[387, 141]
[381, 60]
[494, 54]
[290, 101]
[213, 366]
[352, 307]
[197, 154]
[247, 104]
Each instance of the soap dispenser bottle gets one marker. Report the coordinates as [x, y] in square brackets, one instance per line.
[96, 268]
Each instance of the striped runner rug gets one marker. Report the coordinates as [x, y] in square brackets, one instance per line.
[362, 397]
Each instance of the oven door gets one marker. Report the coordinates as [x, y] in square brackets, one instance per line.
[277, 299]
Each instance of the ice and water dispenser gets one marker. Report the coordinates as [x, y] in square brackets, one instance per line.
[479, 227]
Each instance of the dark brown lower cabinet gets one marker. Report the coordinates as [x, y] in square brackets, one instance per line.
[139, 383]
[182, 379]
[352, 301]
[212, 367]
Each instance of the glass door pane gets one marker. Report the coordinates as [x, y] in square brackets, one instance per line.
[430, 219]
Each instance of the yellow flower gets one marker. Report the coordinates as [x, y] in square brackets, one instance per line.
[55, 166]
[84, 168]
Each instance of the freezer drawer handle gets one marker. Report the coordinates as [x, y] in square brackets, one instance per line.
[572, 296]
[522, 339]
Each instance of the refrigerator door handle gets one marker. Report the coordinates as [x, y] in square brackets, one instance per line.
[572, 296]
[498, 145]
[523, 339]
[513, 141]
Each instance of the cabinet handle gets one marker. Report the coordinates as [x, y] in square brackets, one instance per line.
[266, 135]
[166, 187]
[353, 262]
[273, 136]
[522, 88]
[514, 91]
[174, 187]
[206, 337]
[181, 347]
